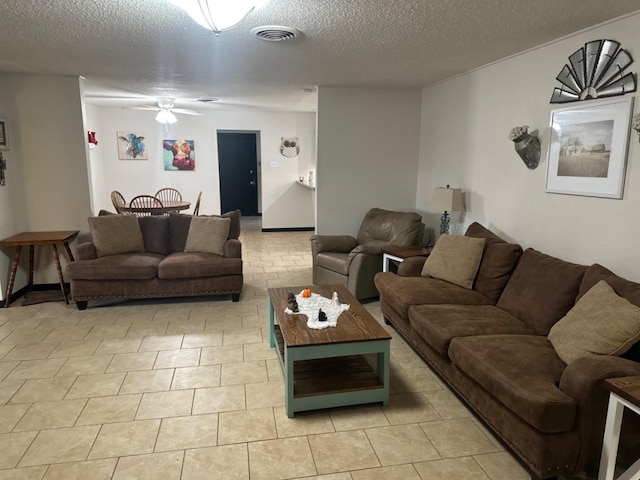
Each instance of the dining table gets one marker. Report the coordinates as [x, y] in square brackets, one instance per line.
[168, 206]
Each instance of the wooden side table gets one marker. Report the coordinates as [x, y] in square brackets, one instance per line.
[398, 254]
[32, 239]
[624, 392]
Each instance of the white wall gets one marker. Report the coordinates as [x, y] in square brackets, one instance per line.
[47, 181]
[368, 142]
[13, 215]
[284, 204]
[464, 142]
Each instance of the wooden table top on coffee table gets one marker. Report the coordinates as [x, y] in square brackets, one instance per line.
[354, 325]
[326, 368]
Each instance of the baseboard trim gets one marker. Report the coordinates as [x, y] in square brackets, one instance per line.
[293, 229]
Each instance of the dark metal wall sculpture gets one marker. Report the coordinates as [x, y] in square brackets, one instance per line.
[3, 167]
[595, 71]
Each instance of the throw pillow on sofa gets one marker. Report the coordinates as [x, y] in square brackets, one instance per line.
[179, 224]
[601, 322]
[208, 235]
[116, 234]
[455, 259]
[155, 233]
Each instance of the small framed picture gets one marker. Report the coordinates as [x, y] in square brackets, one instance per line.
[4, 137]
[588, 148]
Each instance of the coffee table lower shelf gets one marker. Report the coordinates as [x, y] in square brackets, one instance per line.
[326, 376]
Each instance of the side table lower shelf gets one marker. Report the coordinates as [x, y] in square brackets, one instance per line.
[624, 392]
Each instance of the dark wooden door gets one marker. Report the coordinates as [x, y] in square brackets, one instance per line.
[238, 168]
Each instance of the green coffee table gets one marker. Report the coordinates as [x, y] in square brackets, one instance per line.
[327, 368]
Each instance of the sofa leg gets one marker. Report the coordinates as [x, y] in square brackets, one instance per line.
[82, 305]
[235, 297]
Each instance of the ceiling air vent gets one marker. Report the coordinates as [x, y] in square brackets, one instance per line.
[275, 33]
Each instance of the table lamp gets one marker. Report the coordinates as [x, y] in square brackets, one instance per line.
[446, 200]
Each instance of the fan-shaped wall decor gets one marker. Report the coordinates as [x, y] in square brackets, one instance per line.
[595, 71]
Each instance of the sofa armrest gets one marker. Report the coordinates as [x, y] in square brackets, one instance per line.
[583, 381]
[411, 267]
[583, 377]
[233, 248]
[332, 243]
[86, 251]
[368, 249]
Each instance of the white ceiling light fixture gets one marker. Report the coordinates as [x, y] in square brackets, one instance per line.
[166, 111]
[218, 15]
[166, 117]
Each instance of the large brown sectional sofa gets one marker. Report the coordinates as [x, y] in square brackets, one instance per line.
[491, 345]
[160, 267]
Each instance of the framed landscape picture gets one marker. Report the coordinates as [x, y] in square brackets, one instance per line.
[588, 148]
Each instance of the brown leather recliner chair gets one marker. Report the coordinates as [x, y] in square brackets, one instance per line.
[353, 262]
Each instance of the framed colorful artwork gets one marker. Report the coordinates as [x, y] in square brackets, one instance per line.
[179, 154]
[588, 148]
[131, 146]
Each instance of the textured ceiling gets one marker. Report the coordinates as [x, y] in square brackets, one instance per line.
[148, 48]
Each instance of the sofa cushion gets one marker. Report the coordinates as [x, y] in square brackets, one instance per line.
[522, 372]
[402, 292]
[178, 230]
[126, 266]
[207, 235]
[155, 233]
[439, 324]
[234, 227]
[115, 234]
[601, 322]
[541, 289]
[334, 261]
[455, 259]
[625, 288]
[498, 261]
[194, 265]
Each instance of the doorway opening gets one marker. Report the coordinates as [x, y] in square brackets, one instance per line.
[239, 171]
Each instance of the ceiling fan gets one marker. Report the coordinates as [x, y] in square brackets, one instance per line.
[166, 110]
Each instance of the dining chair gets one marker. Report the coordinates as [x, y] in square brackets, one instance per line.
[145, 204]
[196, 209]
[168, 194]
[118, 200]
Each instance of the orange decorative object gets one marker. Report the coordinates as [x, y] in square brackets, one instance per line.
[306, 293]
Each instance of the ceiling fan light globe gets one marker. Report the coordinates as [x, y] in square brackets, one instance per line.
[165, 116]
[217, 15]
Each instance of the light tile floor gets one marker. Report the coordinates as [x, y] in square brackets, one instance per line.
[189, 389]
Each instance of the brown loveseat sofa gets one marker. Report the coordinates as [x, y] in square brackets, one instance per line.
[353, 262]
[491, 345]
[160, 266]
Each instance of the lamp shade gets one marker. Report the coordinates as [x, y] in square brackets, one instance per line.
[217, 15]
[447, 200]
